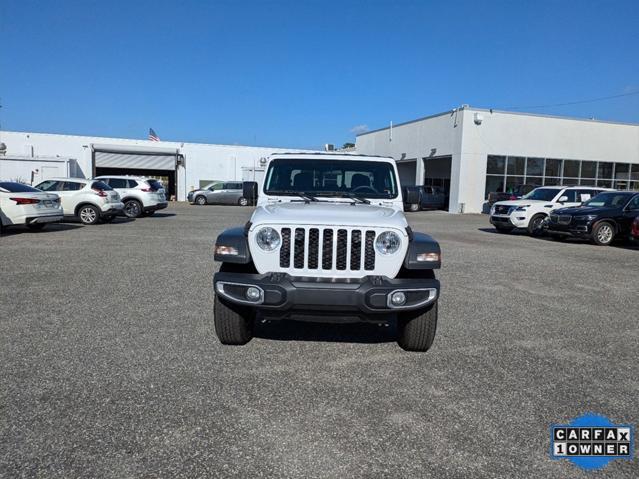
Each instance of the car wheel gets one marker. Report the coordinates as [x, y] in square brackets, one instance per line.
[603, 234]
[233, 324]
[88, 214]
[36, 226]
[503, 229]
[132, 209]
[242, 201]
[413, 207]
[535, 226]
[201, 200]
[416, 329]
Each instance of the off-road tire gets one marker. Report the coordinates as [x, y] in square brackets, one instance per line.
[603, 233]
[233, 324]
[201, 200]
[535, 225]
[416, 329]
[132, 209]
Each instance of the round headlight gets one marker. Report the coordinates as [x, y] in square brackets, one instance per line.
[268, 239]
[388, 242]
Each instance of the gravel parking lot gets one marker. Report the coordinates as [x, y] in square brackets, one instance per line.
[111, 367]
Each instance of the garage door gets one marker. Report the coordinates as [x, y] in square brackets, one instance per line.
[145, 161]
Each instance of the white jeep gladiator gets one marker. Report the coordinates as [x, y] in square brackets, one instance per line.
[328, 242]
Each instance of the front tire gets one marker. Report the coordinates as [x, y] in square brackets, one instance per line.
[88, 214]
[416, 329]
[535, 225]
[603, 234]
[233, 324]
[200, 200]
[132, 209]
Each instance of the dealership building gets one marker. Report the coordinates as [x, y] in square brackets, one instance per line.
[471, 152]
[33, 157]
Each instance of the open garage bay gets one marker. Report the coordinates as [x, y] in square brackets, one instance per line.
[111, 367]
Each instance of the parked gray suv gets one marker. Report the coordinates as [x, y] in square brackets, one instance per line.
[221, 193]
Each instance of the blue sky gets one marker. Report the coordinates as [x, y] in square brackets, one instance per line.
[303, 73]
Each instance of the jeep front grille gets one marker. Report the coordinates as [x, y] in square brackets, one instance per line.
[339, 249]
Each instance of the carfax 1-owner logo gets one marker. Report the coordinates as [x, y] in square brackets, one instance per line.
[592, 441]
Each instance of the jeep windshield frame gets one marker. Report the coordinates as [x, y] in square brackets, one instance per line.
[336, 178]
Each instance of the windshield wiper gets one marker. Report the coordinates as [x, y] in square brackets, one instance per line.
[305, 196]
[356, 198]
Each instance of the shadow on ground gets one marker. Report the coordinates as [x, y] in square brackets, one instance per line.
[325, 332]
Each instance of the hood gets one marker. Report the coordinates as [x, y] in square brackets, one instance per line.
[521, 202]
[585, 210]
[329, 213]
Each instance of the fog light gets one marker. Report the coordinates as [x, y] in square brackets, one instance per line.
[398, 298]
[253, 294]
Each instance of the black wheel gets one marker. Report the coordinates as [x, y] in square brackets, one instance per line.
[36, 226]
[201, 200]
[503, 229]
[88, 214]
[413, 207]
[603, 233]
[108, 218]
[416, 329]
[536, 225]
[242, 201]
[132, 208]
[233, 324]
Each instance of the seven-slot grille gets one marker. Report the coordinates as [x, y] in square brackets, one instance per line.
[327, 248]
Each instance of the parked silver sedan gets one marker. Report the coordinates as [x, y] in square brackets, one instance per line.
[221, 193]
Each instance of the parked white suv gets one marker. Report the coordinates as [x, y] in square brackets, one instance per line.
[87, 200]
[23, 205]
[531, 210]
[141, 196]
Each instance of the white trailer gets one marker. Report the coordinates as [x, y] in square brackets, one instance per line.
[32, 170]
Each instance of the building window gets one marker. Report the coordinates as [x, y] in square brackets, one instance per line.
[506, 173]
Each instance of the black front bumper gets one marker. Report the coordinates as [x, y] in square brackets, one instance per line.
[572, 230]
[159, 206]
[336, 300]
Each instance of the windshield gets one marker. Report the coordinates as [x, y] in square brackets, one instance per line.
[13, 187]
[608, 200]
[542, 194]
[341, 178]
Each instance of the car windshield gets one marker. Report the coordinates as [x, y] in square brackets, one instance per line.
[340, 178]
[542, 194]
[13, 187]
[608, 200]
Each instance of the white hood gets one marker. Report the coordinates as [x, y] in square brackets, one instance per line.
[329, 213]
[521, 202]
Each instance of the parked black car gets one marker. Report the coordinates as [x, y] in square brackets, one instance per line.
[430, 198]
[601, 219]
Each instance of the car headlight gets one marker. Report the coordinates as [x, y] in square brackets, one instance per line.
[388, 242]
[268, 239]
[492, 210]
[587, 217]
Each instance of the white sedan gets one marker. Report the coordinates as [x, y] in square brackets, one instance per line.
[23, 205]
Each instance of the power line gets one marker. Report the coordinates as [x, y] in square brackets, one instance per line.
[530, 107]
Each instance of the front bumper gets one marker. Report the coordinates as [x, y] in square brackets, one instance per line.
[571, 230]
[513, 220]
[336, 300]
[157, 206]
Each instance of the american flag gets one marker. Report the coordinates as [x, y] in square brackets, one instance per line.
[153, 136]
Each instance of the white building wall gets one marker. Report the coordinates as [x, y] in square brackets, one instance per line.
[456, 134]
[202, 161]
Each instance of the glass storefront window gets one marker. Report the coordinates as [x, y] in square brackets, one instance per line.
[496, 165]
[516, 165]
[621, 184]
[588, 169]
[571, 168]
[494, 183]
[605, 170]
[512, 182]
[604, 183]
[622, 171]
[553, 167]
[571, 181]
[534, 180]
[535, 167]
[551, 181]
[587, 182]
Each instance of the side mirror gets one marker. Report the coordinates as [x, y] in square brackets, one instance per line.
[563, 199]
[411, 195]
